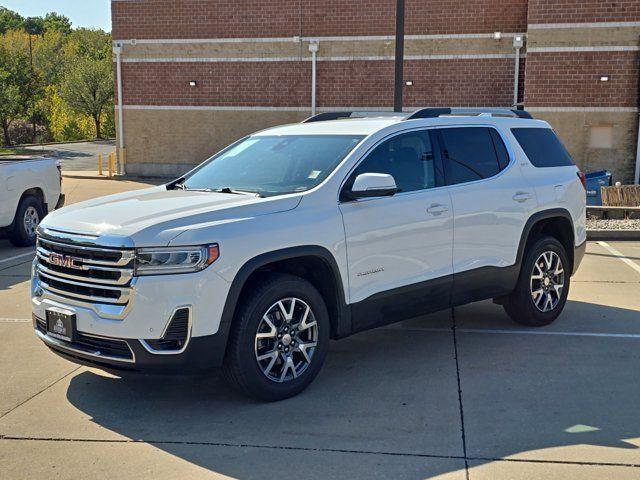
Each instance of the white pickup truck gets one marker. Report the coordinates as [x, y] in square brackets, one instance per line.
[29, 189]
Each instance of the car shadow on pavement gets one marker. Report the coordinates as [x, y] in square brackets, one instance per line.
[69, 154]
[393, 392]
[15, 273]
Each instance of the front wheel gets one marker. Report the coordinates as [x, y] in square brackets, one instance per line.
[279, 338]
[543, 284]
[28, 216]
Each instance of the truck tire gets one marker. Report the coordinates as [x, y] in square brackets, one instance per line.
[543, 284]
[28, 216]
[279, 338]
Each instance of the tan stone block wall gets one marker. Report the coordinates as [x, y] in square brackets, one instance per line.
[328, 48]
[574, 129]
[170, 142]
[592, 37]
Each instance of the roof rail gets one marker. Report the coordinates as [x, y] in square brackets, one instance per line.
[500, 112]
[324, 116]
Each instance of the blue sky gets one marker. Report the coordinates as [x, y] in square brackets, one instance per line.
[82, 13]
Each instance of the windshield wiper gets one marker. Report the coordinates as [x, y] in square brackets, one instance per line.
[181, 186]
[232, 190]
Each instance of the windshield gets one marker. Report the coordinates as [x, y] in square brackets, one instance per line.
[273, 165]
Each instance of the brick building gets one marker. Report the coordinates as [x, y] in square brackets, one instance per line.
[198, 74]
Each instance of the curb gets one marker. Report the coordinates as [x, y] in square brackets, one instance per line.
[90, 175]
[613, 235]
[91, 140]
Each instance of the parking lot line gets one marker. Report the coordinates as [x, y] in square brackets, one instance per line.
[517, 332]
[4, 260]
[615, 252]
[15, 320]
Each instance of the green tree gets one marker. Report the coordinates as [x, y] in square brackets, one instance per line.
[15, 80]
[54, 76]
[10, 20]
[54, 22]
[49, 58]
[34, 26]
[88, 89]
[90, 43]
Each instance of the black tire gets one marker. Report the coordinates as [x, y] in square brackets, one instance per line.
[241, 367]
[19, 234]
[520, 304]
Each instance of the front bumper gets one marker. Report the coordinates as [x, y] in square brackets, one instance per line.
[119, 355]
[148, 311]
[60, 203]
[119, 337]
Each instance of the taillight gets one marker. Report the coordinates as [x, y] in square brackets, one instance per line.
[583, 179]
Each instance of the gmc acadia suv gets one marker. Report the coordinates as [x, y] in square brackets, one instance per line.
[303, 233]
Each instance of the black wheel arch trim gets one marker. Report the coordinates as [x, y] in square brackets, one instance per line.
[537, 217]
[342, 323]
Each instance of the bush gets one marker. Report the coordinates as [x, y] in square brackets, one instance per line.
[21, 132]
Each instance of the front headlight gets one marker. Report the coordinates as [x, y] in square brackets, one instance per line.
[166, 260]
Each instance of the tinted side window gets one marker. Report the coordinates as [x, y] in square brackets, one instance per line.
[407, 157]
[543, 147]
[469, 154]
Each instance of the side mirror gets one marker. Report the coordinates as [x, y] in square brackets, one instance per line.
[373, 185]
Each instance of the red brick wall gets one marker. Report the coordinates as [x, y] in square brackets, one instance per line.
[285, 18]
[348, 17]
[572, 79]
[204, 18]
[220, 83]
[577, 11]
[344, 83]
[465, 16]
[486, 82]
[356, 83]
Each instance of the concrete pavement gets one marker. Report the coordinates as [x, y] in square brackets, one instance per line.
[459, 394]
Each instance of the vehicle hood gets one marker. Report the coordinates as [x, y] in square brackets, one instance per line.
[154, 216]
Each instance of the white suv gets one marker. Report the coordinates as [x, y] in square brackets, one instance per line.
[308, 232]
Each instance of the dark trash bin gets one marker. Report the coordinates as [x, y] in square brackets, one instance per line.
[595, 180]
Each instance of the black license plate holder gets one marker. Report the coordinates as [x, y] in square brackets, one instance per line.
[61, 324]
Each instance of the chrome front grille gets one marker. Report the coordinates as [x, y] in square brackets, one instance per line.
[91, 274]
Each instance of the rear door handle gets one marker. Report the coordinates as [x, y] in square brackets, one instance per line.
[522, 197]
[437, 209]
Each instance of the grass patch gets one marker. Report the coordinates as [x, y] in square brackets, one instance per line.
[15, 151]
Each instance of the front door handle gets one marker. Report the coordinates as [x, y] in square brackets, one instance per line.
[437, 209]
[522, 197]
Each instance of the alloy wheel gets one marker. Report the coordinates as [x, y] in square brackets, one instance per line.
[286, 339]
[547, 281]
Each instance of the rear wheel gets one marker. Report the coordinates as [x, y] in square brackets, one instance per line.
[543, 284]
[28, 216]
[279, 338]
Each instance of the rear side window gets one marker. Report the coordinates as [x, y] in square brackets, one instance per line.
[542, 147]
[471, 153]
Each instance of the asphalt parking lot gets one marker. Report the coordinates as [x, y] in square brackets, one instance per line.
[459, 394]
[78, 155]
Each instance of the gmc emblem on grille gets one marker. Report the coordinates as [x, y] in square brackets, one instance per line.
[65, 261]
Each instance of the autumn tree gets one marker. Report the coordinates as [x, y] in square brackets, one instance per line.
[15, 81]
[88, 89]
